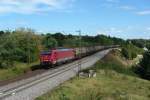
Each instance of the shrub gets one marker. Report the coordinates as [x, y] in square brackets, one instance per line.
[145, 65]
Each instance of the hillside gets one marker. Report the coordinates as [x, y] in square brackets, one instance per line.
[114, 81]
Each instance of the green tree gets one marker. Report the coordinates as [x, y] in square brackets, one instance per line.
[103, 40]
[49, 42]
[59, 37]
[21, 45]
[145, 64]
[7, 51]
[2, 33]
[27, 45]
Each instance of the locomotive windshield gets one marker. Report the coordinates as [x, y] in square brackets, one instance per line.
[45, 53]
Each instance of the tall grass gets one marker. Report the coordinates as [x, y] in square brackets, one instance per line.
[112, 65]
[19, 69]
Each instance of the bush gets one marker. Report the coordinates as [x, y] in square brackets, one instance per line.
[129, 51]
[145, 65]
[125, 53]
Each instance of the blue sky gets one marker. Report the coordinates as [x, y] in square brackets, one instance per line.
[120, 18]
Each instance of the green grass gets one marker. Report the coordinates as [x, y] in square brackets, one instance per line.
[112, 86]
[114, 65]
[19, 69]
[114, 81]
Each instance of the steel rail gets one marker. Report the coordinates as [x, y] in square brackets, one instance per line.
[42, 78]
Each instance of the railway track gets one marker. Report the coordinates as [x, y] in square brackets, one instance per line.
[30, 88]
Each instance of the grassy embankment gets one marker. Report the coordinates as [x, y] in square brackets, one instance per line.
[19, 69]
[115, 81]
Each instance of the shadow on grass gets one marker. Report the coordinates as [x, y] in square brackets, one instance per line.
[39, 67]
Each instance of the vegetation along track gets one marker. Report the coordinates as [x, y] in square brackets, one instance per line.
[31, 88]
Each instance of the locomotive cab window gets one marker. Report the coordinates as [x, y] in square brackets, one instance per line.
[45, 53]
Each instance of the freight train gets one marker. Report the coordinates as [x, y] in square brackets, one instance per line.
[60, 55]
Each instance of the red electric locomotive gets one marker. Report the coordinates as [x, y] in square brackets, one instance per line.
[55, 56]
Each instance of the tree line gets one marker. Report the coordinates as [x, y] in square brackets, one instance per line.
[24, 45]
[141, 43]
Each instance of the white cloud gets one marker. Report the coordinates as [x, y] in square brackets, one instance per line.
[32, 6]
[111, 32]
[115, 30]
[110, 3]
[128, 32]
[145, 12]
[148, 28]
[128, 7]
[102, 33]
[113, 1]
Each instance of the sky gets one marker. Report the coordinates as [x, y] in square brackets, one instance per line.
[120, 18]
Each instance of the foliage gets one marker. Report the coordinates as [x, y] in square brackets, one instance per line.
[103, 40]
[20, 45]
[49, 42]
[138, 42]
[130, 51]
[144, 69]
[111, 62]
[59, 37]
[18, 70]
[141, 43]
[125, 53]
[148, 46]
